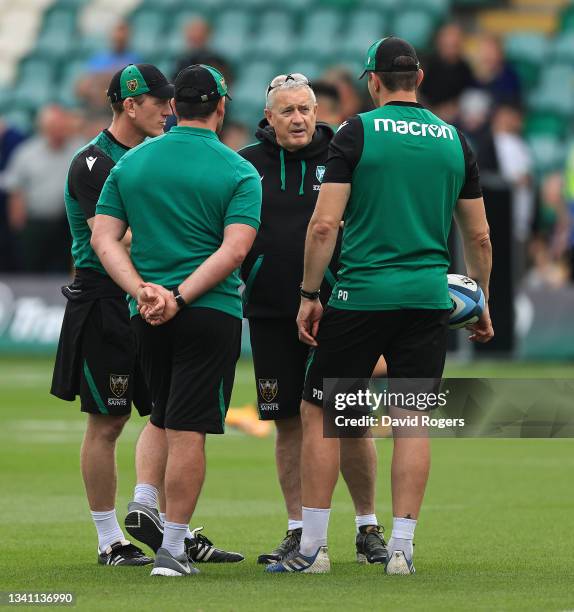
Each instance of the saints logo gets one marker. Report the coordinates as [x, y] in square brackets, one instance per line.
[320, 173]
[119, 384]
[268, 388]
[132, 85]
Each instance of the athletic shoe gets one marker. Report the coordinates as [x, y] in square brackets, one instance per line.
[143, 524]
[199, 549]
[123, 553]
[168, 565]
[318, 563]
[289, 543]
[371, 546]
[399, 565]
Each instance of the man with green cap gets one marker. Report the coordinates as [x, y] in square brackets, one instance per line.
[396, 175]
[96, 356]
[193, 207]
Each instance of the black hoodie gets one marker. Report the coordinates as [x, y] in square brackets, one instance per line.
[273, 270]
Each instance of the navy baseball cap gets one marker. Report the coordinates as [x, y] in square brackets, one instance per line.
[382, 56]
[200, 83]
[137, 79]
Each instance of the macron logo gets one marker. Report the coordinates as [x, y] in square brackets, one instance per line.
[91, 161]
[414, 127]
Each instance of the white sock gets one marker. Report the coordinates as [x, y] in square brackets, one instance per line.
[162, 519]
[173, 536]
[146, 494]
[293, 524]
[315, 525]
[365, 519]
[402, 536]
[108, 528]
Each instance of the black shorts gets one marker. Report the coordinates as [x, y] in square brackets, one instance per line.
[350, 342]
[96, 359]
[189, 365]
[279, 359]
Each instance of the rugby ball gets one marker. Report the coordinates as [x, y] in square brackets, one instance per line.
[467, 300]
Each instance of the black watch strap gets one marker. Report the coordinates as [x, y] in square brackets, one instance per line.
[178, 297]
[309, 295]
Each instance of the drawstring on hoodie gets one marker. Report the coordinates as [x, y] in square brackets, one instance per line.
[282, 158]
[303, 172]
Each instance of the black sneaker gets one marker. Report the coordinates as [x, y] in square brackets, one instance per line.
[144, 525]
[371, 546]
[200, 549]
[290, 542]
[123, 553]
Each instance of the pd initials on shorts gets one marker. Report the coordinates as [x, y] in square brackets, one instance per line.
[189, 365]
[412, 341]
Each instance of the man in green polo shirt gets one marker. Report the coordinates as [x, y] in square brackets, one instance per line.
[396, 175]
[193, 206]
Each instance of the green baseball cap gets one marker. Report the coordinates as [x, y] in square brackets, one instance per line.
[137, 79]
[382, 55]
[200, 83]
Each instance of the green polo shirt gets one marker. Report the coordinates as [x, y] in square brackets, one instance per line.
[177, 193]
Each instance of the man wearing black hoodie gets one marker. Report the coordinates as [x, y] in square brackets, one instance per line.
[290, 156]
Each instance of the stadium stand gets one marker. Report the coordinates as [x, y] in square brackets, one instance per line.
[45, 43]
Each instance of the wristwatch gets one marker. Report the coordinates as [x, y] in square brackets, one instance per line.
[309, 295]
[178, 297]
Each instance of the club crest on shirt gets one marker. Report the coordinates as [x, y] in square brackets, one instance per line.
[268, 387]
[320, 173]
[119, 384]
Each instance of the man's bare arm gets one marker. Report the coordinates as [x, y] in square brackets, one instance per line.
[17, 210]
[237, 242]
[471, 220]
[322, 232]
[107, 236]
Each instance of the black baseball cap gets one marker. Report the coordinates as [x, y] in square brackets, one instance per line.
[382, 55]
[200, 83]
[137, 79]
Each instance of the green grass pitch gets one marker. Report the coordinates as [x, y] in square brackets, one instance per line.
[495, 532]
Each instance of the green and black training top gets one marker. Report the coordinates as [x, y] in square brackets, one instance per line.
[407, 169]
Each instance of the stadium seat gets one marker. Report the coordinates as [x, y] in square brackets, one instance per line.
[147, 31]
[320, 33]
[549, 153]
[562, 48]
[274, 35]
[438, 8]
[364, 28]
[68, 80]
[545, 124]
[526, 46]
[567, 18]
[555, 91]
[251, 83]
[415, 26]
[21, 119]
[385, 6]
[231, 33]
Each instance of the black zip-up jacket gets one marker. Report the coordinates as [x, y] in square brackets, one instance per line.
[273, 270]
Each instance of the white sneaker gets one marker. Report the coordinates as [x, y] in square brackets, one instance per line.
[399, 565]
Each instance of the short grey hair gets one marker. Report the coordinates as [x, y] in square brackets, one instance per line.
[292, 83]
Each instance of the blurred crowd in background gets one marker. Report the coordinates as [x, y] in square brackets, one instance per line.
[480, 94]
